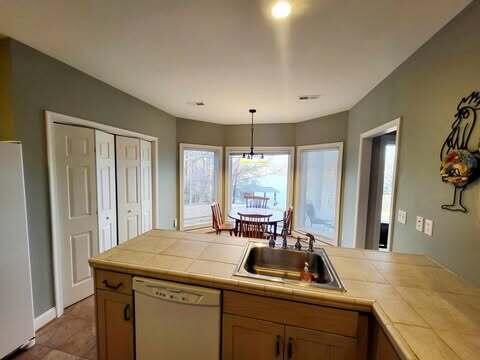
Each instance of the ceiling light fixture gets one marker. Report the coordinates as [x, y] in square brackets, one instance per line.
[252, 155]
[281, 9]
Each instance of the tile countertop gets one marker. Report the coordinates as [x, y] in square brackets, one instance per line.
[427, 311]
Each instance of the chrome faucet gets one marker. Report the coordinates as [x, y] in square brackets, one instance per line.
[311, 240]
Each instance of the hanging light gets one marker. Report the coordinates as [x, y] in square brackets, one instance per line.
[252, 155]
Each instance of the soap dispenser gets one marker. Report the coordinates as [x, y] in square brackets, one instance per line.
[306, 275]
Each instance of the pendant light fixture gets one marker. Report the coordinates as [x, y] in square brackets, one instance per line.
[252, 154]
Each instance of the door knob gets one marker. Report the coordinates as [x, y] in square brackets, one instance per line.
[129, 211]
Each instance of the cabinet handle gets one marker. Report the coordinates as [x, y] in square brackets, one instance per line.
[113, 287]
[126, 312]
[290, 348]
[277, 347]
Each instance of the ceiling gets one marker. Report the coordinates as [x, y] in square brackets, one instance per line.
[231, 54]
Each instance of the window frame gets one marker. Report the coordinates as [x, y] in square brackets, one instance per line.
[290, 150]
[300, 149]
[218, 165]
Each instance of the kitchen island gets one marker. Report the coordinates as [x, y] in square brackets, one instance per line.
[396, 306]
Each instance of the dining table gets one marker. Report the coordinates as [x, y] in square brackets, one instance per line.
[276, 216]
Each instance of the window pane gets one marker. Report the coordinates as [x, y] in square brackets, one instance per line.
[387, 183]
[199, 186]
[318, 180]
[265, 178]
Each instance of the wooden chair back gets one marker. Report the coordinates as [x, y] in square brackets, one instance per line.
[217, 217]
[259, 202]
[287, 222]
[255, 226]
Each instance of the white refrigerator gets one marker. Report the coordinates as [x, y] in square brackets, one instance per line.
[16, 304]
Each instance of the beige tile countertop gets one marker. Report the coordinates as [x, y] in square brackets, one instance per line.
[427, 311]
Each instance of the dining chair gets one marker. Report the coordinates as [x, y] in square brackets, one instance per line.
[255, 226]
[253, 201]
[218, 222]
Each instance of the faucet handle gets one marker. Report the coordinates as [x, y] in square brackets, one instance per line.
[311, 240]
[298, 244]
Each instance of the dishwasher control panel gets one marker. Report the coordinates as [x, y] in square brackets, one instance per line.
[175, 295]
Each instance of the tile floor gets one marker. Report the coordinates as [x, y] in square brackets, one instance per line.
[70, 337]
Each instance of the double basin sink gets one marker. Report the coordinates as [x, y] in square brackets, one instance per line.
[286, 265]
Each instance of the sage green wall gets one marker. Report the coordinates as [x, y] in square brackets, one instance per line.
[200, 132]
[40, 83]
[265, 135]
[326, 129]
[424, 91]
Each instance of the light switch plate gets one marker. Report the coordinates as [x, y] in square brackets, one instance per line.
[419, 223]
[402, 216]
[428, 228]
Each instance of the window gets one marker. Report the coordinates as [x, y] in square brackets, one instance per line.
[388, 168]
[318, 190]
[269, 178]
[200, 184]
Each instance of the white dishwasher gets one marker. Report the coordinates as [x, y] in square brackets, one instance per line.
[176, 321]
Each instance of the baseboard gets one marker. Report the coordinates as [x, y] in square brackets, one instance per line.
[45, 318]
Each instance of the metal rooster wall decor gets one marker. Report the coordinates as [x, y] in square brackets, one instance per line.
[460, 160]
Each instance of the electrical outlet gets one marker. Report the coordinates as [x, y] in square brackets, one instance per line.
[428, 229]
[402, 216]
[419, 223]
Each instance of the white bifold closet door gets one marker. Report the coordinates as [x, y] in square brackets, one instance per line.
[128, 188]
[146, 187]
[77, 213]
[106, 190]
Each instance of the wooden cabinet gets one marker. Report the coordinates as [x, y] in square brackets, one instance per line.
[305, 344]
[246, 339]
[382, 348]
[258, 327]
[115, 326]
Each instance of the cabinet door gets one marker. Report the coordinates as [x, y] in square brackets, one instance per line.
[246, 339]
[304, 344]
[114, 326]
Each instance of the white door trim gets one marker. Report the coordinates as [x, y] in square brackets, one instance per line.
[50, 119]
[219, 150]
[363, 181]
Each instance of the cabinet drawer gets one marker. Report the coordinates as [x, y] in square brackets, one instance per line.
[315, 317]
[113, 281]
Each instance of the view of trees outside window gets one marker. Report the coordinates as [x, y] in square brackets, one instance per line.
[266, 177]
[318, 192]
[200, 186]
[387, 183]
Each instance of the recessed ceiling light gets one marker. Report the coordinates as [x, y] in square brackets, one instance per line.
[308, 97]
[281, 9]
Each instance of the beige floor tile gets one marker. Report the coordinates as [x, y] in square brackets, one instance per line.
[397, 309]
[211, 268]
[222, 253]
[467, 346]
[166, 262]
[186, 248]
[356, 269]
[425, 343]
[60, 355]
[444, 311]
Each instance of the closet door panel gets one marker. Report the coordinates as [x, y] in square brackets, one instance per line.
[146, 178]
[106, 190]
[128, 188]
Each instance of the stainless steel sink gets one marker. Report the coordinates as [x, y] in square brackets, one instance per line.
[285, 265]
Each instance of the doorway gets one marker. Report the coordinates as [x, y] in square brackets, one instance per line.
[376, 184]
